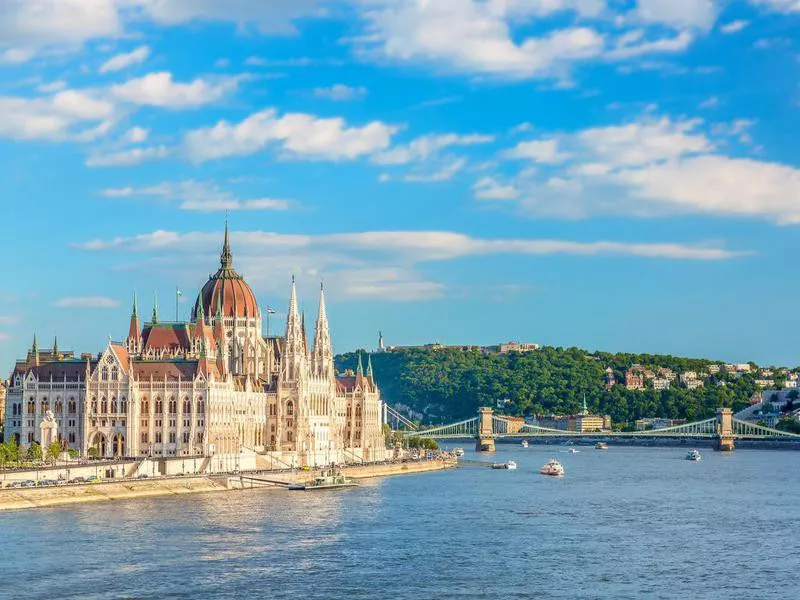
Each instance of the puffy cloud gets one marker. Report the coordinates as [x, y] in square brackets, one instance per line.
[426, 146]
[125, 60]
[127, 158]
[298, 134]
[136, 135]
[158, 89]
[57, 117]
[782, 6]
[679, 13]
[542, 151]
[199, 196]
[446, 173]
[473, 37]
[86, 302]
[629, 46]
[653, 167]
[340, 92]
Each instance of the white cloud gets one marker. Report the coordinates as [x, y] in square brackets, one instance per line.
[678, 13]
[473, 37]
[136, 135]
[734, 26]
[446, 173]
[656, 167]
[16, 56]
[426, 146]
[627, 46]
[298, 134]
[782, 6]
[57, 117]
[712, 102]
[541, 151]
[199, 196]
[158, 89]
[340, 92]
[125, 60]
[488, 188]
[128, 158]
[86, 302]
[53, 86]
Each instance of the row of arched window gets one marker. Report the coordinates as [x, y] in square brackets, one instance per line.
[72, 407]
[104, 374]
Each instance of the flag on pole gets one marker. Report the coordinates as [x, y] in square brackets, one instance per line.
[270, 310]
[178, 292]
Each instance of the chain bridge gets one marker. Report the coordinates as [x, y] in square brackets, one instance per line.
[487, 427]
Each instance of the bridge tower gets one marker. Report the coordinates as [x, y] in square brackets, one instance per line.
[485, 441]
[724, 429]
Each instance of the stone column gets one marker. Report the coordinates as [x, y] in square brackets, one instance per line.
[485, 441]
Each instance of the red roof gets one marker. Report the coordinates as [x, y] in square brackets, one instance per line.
[172, 370]
[173, 336]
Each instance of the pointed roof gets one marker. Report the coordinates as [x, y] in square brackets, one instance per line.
[360, 370]
[369, 366]
[226, 257]
[55, 347]
[155, 307]
[322, 336]
[135, 312]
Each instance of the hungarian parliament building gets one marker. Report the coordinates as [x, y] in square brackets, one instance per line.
[213, 387]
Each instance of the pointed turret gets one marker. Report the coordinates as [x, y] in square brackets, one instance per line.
[295, 347]
[226, 258]
[369, 366]
[55, 347]
[155, 308]
[35, 351]
[135, 328]
[323, 353]
[360, 369]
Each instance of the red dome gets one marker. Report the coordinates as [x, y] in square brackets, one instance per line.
[226, 291]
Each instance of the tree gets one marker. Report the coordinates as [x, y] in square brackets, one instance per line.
[34, 452]
[94, 452]
[53, 451]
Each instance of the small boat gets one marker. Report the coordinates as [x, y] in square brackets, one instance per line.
[458, 451]
[601, 446]
[329, 479]
[552, 468]
[694, 455]
[524, 443]
[573, 450]
[510, 465]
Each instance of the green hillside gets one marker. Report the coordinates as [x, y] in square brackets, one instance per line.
[443, 385]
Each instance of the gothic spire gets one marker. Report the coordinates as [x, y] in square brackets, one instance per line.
[200, 316]
[155, 307]
[360, 370]
[369, 366]
[55, 347]
[35, 351]
[135, 312]
[295, 346]
[226, 258]
[323, 353]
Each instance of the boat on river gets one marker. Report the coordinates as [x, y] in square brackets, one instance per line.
[601, 446]
[330, 479]
[510, 465]
[553, 468]
[458, 451]
[694, 455]
[524, 443]
[573, 450]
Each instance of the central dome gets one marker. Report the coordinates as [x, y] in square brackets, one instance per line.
[226, 291]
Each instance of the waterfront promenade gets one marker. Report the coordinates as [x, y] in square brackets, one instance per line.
[124, 489]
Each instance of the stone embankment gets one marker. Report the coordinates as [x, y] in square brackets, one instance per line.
[19, 498]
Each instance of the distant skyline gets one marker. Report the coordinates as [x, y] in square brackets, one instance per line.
[618, 175]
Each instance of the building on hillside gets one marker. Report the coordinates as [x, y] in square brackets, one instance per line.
[714, 369]
[213, 387]
[690, 380]
[665, 373]
[517, 347]
[657, 423]
[3, 387]
[634, 378]
[661, 383]
[610, 378]
[764, 383]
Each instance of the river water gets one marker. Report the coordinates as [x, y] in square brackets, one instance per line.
[622, 523]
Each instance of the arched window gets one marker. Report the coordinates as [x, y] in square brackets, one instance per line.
[145, 406]
[173, 407]
[31, 407]
[59, 407]
[187, 406]
[114, 374]
[114, 405]
[71, 406]
[123, 405]
[94, 405]
[103, 405]
[159, 406]
[200, 407]
[289, 409]
[104, 374]
[45, 406]
[289, 436]
[358, 410]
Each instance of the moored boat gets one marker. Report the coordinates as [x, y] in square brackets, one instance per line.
[553, 468]
[524, 443]
[601, 446]
[329, 479]
[458, 451]
[573, 450]
[694, 455]
[511, 465]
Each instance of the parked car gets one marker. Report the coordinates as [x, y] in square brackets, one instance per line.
[46, 482]
[78, 479]
[14, 484]
[29, 483]
[142, 476]
[92, 479]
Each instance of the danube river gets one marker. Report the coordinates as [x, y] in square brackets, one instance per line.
[623, 523]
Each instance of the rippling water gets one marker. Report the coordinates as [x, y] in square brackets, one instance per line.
[625, 523]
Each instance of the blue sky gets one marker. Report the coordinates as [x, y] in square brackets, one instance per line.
[613, 174]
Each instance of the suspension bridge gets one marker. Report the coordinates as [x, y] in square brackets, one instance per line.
[487, 427]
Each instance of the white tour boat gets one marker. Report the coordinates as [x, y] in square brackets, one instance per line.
[601, 446]
[524, 443]
[573, 450]
[328, 479]
[694, 455]
[458, 451]
[552, 468]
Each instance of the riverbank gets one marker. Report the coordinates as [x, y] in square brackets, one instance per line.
[23, 498]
